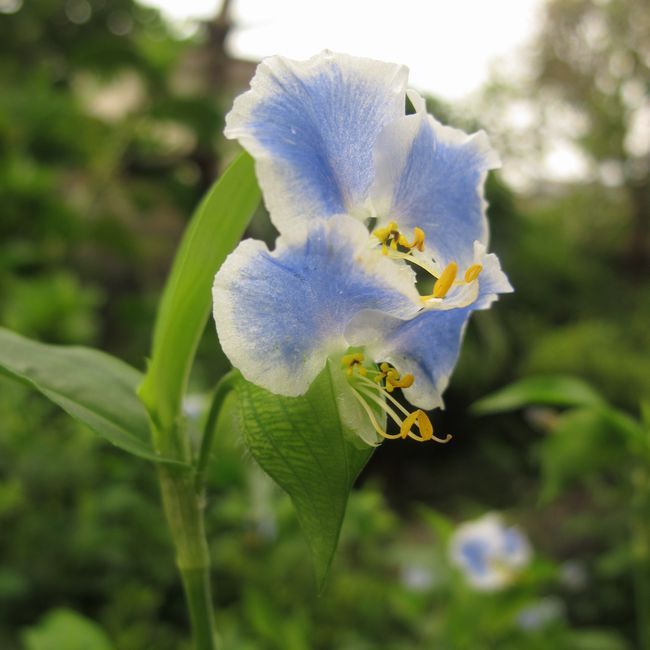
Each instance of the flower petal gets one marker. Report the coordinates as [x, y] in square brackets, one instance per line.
[431, 176]
[281, 314]
[311, 126]
[425, 346]
[481, 292]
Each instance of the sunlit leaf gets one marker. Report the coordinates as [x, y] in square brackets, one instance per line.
[93, 387]
[302, 444]
[214, 231]
[548, 390]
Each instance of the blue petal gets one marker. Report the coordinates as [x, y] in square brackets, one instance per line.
[312, 126]
[281, 314]
[431, 176]
[474, 553]
[425, 346]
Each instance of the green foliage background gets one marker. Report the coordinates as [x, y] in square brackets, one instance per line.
[110, 133]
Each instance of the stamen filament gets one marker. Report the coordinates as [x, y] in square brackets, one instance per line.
[372, 418]
[370, 384]
[383, 406]
[414, 260]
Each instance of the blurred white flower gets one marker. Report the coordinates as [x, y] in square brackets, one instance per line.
[573, 575]
[194, 405]
[489, 552]
[417, 578]
[540, 614]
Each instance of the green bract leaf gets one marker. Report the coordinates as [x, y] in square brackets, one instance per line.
[303, 445]
[553, 391]
[93, 387]
[215, 229]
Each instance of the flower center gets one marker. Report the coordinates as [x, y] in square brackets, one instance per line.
[377, 391]
[390, 236]
[392, 240]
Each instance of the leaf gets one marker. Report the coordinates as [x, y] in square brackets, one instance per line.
[549, 390]
[303, 445]
[215, 229]
[584, 444]
[93, 387]
[63, 629]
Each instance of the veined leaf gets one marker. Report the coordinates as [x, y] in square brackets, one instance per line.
[214, 231]
[549, 390]
[303, 445]
[93, 387]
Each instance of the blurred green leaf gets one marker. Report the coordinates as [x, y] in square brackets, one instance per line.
[215, 229]
[93, 387]
[584, 443]
[63, 629]
[550, 390]
[597, 640]
[303, 445]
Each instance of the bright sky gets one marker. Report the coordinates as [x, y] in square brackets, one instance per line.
[448, 44]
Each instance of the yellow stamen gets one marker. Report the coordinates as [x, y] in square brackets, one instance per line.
[408, 423]
[473, 272]
[446, 279]
[418, 239]
[352, 361]
[405, 381]
[390, 235]
[370, 390]
[385, 233]
[372, 418]
[425, 426]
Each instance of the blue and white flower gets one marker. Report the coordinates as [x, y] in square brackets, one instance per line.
[541, 614]
[490, 553]
[335, 152]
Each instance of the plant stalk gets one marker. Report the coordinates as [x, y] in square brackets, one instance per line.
[183, 507]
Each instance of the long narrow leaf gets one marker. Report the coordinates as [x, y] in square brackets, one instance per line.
[214, 231]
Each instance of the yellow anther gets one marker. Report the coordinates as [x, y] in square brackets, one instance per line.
[425, 426]
[385, 233]
[402, 241]
[473, 272]
[352, 361]
[393, 380]
[408, 423]
[446, 279]
[364, 390]
[418, 239]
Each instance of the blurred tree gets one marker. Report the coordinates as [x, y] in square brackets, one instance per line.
[579, 110]
[102, 158]
[595, 56]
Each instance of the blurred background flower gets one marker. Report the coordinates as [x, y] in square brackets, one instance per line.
[489, 552]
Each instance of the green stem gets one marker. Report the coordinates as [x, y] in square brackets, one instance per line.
[224, 387]
[183, 507]
[642, 539]
[183, 503]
